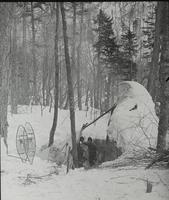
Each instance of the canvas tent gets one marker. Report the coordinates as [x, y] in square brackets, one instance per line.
[133, 124]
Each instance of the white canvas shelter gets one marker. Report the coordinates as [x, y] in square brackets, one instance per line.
[133, 124]
[132, 130]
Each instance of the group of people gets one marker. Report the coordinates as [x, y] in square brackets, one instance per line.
[86, 152]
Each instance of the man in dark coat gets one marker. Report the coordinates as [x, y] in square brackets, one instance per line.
[92, 151]
[83, 154]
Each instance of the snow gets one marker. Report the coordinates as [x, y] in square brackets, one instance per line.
[99, 184]
[134, 129]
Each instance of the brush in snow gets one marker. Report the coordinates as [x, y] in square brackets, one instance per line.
[160, 157]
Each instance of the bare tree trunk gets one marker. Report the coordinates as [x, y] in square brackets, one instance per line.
[98, 79]
[79, 95]
[56, 93]
[74, 43]
[43, 85]
[112, 90]
[107, 90]
[45, 66]
[14, 88]
[91, 97]
[25, 76]
[66, 106]
[95, 86]
[5, 19]
[87, 96]
[101, 103]
[154, 70]
[163, 74]
[70, 87]
[98, 86]
[60, 78]
[131, 68]
[33, 55]
[90, 37]
[48, 87]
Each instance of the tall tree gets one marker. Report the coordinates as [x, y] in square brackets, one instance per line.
[149, 32]
[33, 54]
[46, 70]
[56, 90]
[74, 4]
[79, 95]
[6, 16]
[107, 48]
[106, 43]
[163, 74]
[14, 88]
[97, 78]
[25, 75]
[154, 70]
[129, 50]
[70, 86]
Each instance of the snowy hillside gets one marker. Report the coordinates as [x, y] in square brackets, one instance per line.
[52, 182]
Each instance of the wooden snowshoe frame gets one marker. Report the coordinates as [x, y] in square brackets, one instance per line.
[26, 143]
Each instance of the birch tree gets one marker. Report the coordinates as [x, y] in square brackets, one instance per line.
[70, 86]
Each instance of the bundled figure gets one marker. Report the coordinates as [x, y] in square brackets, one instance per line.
[92, 152]
[83, 153]
[86, 153]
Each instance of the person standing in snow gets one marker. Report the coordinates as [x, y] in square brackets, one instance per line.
[92, 151]
[83, 154]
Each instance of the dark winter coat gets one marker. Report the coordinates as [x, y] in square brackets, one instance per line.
[83, 154]
[92, 153]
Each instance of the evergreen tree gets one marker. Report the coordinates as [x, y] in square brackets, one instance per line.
[128, 51]
[108, 56]
[106, 45]
[149, 33]
[151, 51]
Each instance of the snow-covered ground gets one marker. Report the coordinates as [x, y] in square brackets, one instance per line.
[96, 184]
